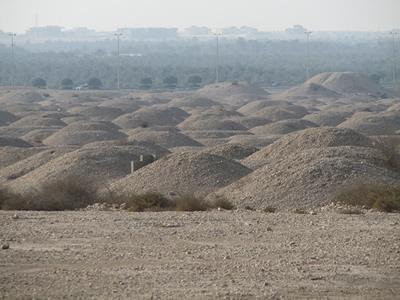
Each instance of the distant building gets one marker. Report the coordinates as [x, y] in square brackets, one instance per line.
[296, 29]
[196, 30]
[46, 31]
[149, 33]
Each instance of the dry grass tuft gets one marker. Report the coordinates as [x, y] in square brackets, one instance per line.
[269, 209]
[300, 211]
[381, 197]
[69, 194]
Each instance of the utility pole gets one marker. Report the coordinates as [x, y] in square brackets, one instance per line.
[394, 33]
[217, 58]
[308, 33]
[12, 35]
[118, 35]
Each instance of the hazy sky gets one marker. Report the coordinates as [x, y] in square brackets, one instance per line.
[18, 15]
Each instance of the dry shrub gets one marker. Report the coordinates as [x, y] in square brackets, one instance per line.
[190, 203]
[269, 209]
[381, 197]
[147, 202]
[389, 146]
[221, 202]
[68, 194]
[300, 211]
[351, 211]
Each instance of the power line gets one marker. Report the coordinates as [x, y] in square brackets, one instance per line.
[217, 57]
[394, 33]
[118, 35]
[308, 33]
[12, 35]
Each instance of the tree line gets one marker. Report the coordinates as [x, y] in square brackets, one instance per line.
[188, 63]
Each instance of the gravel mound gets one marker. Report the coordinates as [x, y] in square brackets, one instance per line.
[38, 121]
[152, 116]
[279, 113]
[32, 162]
[235, 93]
[183, 173]
[283, 127]
[253, 140]
[321, 137]
[346, 82]
[36, 136]
[214, 134]
[308, 89]
[97, 113]
[231, 151]
[13, 142]
[124, 104]
[309, 178]
[6, 118]
[254, 106]
[328, 117]
[210, 123]
[100, 163]
[251, 122]
[167, 139]
[192, 102]
[10, 155]
[21, 96]
[80, 133]
[385, 123]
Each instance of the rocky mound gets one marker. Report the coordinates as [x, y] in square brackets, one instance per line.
[250, 122]
[101, 163]
[328, 117]
[167, 139]
[81, 133]
[283, 127]
[36, 136]
[10, 155]
[210, 123]
[38, 121]
[346, 82]
[309, 178]
[182, 173]
[279, 113]
[152, 116]
[255, 106]
[321, 137]
[13, 142]
[385, 123]
[234, 93]
[124, 104]
[6, 118]
[192, 102]
[21, 96]
[253, 140]
[97, 113]
[231, 151]
[24, 166]
[308, 89]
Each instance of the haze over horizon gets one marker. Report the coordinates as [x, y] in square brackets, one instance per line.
[269, 15]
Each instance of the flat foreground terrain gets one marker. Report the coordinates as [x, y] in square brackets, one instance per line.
[208, 255]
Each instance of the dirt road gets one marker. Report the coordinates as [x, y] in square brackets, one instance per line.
[205, 255]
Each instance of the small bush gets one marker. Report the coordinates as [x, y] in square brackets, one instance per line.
[381, 197]
[190, 203]
[147, 202]
[389, 146]
[221, 202]
[351, 211]
[300, 211]
[68, 194]
[269, 209]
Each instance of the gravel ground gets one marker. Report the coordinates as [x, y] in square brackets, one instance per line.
[205, 255]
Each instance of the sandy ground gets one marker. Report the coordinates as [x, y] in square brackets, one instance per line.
[210, 255]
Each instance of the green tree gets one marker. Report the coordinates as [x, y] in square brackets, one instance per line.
[39, 83]
[94, 83]
[146, 83]
[170, 82]
[67, 84]
[194, 81]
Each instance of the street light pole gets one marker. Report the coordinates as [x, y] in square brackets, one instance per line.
[394, 33]
[118, 35]
[308, 33]
[217, 58]
[12, 35]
